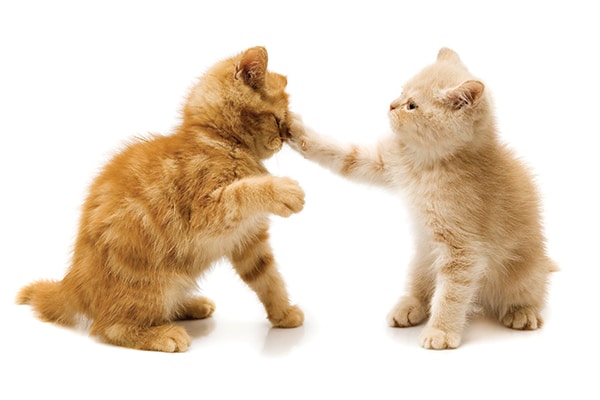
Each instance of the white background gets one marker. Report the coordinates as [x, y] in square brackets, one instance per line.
[78, 79]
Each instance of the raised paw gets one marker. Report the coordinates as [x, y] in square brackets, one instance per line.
[288, 197]
[409, 311]
[523, 319]
[197, 308]
[296, 133]
[437, 339]
[292, 318]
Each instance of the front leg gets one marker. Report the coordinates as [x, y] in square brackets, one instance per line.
[255, 264]
[246, 198]
[456, 285]
[360, 163]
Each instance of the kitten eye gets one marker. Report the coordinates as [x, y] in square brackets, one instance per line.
[411, 105]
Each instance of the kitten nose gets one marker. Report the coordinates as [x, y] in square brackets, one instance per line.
[394, 105]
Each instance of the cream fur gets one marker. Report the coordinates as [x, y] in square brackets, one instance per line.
[475, 210]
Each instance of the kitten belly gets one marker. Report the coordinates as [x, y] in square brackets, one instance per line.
[203, 252]
[176, 293]
[223, 244]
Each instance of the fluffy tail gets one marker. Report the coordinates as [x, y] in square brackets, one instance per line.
[49, 300]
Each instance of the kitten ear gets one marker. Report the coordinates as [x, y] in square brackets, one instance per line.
[446, 54]
[466, 94]
[252, 67]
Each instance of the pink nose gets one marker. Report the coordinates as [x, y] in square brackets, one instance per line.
[393, 105]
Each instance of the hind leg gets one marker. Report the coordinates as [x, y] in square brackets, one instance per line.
[523, 297]
[169, 338]
[196, 308]
[523, 318]
[141, 318]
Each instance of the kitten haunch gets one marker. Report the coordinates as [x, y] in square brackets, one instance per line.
[475, 210]
[165, 208]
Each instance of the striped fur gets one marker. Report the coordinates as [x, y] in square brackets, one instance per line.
[166, 207]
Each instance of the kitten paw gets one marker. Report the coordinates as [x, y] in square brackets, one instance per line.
[299, 135]
[408, 312]
[296, 131]
[172, 339]
[197, 308]
[169, 338]
[292, 318]
[437, 339]
[523, 319]
[288, 197]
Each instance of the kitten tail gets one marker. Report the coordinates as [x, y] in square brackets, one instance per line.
[48, 300]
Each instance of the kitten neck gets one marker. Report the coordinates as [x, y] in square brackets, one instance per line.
[423, 156]
[227, 137]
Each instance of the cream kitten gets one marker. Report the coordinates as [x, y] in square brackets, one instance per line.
[475, 209]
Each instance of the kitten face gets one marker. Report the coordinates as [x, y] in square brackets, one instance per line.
[266, 115]
[439, 107]
[240, 98]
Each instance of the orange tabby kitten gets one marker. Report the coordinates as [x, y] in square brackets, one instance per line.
[475, 209]
[165, 208]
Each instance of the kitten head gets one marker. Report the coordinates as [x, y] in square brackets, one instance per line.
[442, 109]
[242, 101]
